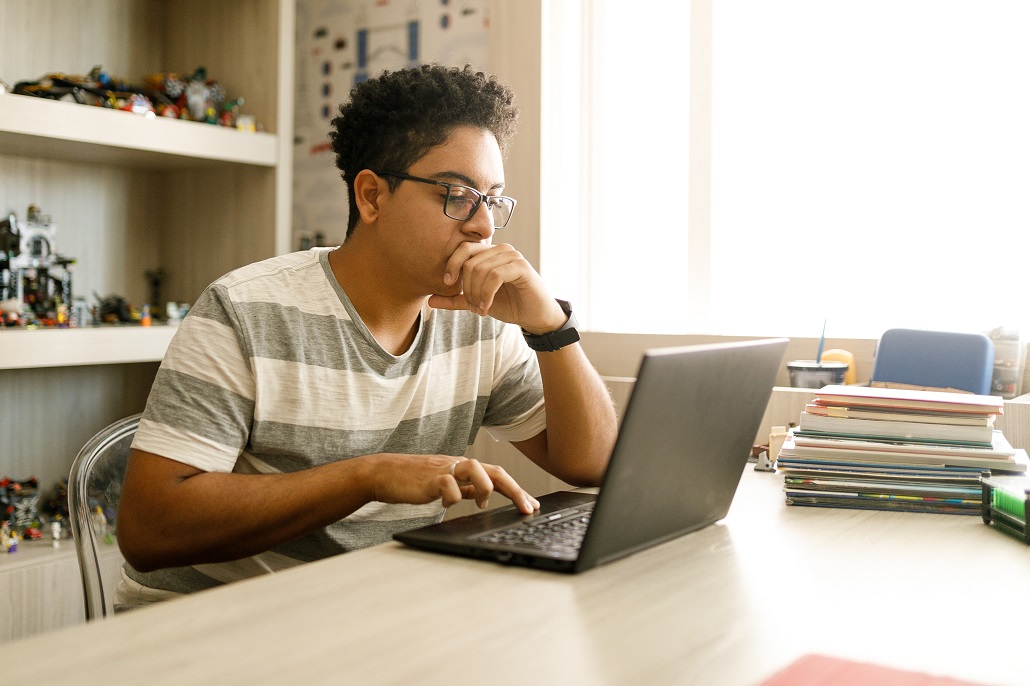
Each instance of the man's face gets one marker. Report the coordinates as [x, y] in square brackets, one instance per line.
[416, 236]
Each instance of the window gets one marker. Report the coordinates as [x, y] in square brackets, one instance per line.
[755, 168]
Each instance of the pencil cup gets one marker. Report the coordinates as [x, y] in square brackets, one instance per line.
[812, 374]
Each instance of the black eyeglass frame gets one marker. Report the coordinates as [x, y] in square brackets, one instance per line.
[490, 199]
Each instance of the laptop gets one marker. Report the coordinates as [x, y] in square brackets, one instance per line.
[685, 438]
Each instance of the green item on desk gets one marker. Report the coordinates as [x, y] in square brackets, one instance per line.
[1006, 504]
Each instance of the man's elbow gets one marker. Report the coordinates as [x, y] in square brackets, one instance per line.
[587, 475]
[135, 546]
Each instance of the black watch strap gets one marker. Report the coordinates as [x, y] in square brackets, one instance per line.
[558, 339]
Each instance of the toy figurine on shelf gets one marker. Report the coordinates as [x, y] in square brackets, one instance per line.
[114, 309]
[19, 505]
[196, 98]
[95, 88]
[56, 506]
[231, 113]
[8, 538]
[35, 280]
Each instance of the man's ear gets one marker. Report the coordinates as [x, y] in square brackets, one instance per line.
[368, 189]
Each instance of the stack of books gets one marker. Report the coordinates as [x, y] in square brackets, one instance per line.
[896, 449]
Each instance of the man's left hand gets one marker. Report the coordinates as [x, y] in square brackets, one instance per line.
[497, 280]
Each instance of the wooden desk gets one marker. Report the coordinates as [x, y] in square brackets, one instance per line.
[731, 604]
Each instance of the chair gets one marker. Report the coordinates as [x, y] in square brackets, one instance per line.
[937, 359]
[95, 482]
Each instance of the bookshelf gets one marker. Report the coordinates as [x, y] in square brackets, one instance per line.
[129, 195]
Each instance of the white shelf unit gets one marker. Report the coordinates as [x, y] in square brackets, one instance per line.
[131, 195]
[50, 348]
[54, 129]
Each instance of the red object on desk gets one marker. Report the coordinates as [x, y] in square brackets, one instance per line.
[820, 670]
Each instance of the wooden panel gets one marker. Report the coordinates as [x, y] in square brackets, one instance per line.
[213, 221]
[49, 415]
[40, 598]
[514, 55]
[42, 36]
[237, 42]
[41, 587]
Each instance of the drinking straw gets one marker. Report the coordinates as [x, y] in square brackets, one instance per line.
[822, 340]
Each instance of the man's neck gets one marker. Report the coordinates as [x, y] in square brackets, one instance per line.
[391, 315]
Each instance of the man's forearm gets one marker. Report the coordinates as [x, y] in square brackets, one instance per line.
[581, 421]
[172, 514]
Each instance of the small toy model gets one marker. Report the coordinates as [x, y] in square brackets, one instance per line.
[95, 88]
[19, 504]
[35, 280]
[8, 538]
[196, 97]
[114, 309]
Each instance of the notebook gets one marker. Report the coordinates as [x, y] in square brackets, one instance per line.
[685, 437]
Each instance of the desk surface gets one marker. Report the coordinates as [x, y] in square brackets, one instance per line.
[731, 604]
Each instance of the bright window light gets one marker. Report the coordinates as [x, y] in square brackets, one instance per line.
[869, 165]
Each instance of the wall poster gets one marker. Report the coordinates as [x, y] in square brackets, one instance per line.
[343, 42]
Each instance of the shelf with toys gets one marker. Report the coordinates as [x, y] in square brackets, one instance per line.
[130, 196]
[89, 345]
[58, 130]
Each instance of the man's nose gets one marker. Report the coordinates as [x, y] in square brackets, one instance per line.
[481, 222]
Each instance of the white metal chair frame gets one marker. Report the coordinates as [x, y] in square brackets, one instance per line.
[110, 443]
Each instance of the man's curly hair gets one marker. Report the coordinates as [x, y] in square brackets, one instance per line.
[391, 121]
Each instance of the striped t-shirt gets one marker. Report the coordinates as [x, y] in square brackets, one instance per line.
[273, 371]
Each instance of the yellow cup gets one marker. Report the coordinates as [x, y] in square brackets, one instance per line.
[838, 355]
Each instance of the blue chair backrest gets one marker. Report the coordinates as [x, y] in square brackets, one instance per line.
[941, 359]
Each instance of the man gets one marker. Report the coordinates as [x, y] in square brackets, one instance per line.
[318, 402]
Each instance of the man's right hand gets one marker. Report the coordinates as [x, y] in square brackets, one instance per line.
[172, 514]
[419, 479]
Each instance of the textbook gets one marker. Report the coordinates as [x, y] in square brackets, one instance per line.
[882, 485]
[1000, 457]
[895, 449]
[878, 471]
[888, 503]
[902, 415]
[897, 398]
[870, 496]
[909, 430]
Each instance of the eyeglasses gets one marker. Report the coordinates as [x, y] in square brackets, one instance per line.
[461, 202]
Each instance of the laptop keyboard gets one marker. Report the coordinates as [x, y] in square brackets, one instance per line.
[559, 532]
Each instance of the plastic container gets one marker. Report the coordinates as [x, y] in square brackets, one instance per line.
[812, 374]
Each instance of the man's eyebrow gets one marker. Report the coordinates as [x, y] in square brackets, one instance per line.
[463, 179]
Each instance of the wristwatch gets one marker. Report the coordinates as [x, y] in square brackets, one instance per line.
[558, 339]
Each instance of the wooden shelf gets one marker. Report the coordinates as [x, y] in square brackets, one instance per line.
[41, 128]
[40, 348]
